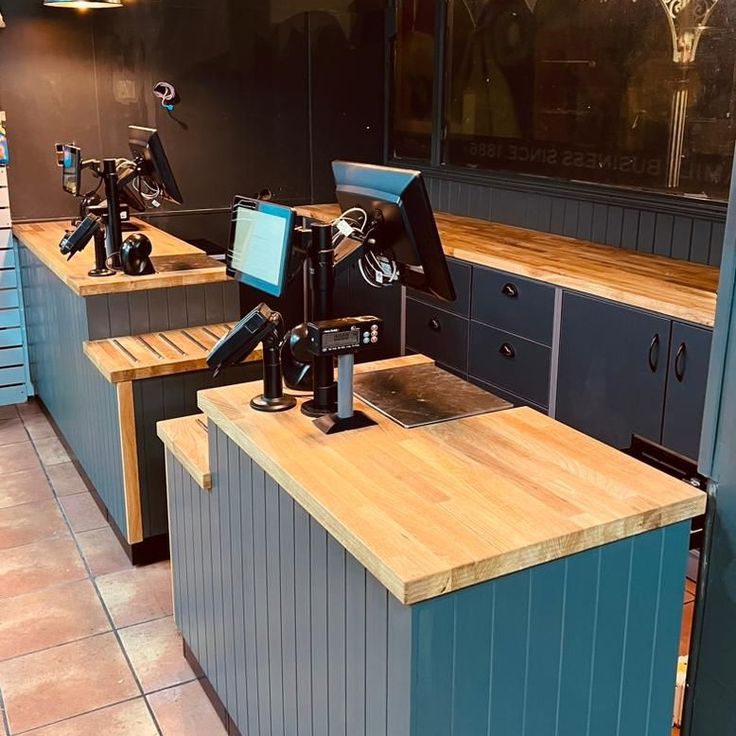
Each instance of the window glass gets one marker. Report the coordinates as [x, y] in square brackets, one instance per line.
[413, 79]
[628, 92]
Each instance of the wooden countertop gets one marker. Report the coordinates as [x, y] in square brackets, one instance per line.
[186, 439]
[676, 289]
[177, 262]
[440, 508]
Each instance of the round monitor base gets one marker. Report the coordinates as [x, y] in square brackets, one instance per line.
[100, 272]
[310, 409]
[283, 403]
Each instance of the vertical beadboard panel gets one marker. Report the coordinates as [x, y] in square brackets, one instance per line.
[682, 237]
[586, 645]
[80, 400]
[314, 644]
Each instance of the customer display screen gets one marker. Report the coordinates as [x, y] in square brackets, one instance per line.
[261, 240]
[342, 339]
[72, 170]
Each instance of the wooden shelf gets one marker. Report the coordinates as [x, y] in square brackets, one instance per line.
[122, 359]
[676, 289]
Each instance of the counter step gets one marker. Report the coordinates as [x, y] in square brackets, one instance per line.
[132, 358]
[186, 438]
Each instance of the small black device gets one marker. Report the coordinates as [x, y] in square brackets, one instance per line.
[135, 255]
[71, 171]
[344, 338]
[75, 241]
[261, 241]
[155, 177]
[264, 325]
[400, 224]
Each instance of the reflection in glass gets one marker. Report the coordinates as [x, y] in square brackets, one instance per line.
[413, 74]
[629, 92]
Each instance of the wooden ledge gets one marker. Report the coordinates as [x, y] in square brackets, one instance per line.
[186, 439]
[132, 358]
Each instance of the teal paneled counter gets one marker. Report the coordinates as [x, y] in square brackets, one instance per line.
[499, 575]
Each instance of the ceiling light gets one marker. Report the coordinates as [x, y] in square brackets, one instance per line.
[83, 4]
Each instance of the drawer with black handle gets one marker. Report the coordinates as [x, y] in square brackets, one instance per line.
[513, 363]
[437, 334]
[461, 274]
[513, 304]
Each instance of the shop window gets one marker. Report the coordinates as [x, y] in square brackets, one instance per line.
[637, 93]
[413, 56]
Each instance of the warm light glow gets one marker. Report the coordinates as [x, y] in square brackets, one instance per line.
[83, 4]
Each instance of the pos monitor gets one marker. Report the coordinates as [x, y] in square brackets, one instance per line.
[155, 179]
[261, 237]
[71, 171]
[400, 222]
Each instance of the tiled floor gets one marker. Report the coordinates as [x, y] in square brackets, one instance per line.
[88, 644]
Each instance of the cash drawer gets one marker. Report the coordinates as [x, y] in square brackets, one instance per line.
[510, 362]
[514, 304]
[437, 334]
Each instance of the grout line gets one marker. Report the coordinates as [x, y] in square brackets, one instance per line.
[4, 713]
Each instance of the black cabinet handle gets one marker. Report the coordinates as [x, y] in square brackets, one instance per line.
[654, 354]
[434, 325]
[507, 351]
[681, 362]
[510, 290]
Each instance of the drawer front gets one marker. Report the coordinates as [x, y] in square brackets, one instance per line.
[461, 278]
[437, 334]
[511, 363]
[3, 176]
[514, 304]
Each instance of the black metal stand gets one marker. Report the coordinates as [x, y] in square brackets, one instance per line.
[272, 399]
[114, 226]
[100, 268]
[322, 282]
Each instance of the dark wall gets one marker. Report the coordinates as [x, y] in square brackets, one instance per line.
[271, 93]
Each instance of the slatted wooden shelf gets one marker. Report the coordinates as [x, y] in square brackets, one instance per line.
[675, 289]
[186, 439]
[122, 359]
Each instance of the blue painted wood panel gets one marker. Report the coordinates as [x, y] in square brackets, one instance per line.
[586, 645]
[683, 237]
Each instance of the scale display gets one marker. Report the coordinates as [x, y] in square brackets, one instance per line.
[343, 339]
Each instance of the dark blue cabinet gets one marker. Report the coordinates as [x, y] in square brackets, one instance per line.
[612, 370]
[686, 384]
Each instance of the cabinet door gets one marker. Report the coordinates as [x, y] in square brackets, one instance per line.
[612, 370]
[686, 384]
[437, 334]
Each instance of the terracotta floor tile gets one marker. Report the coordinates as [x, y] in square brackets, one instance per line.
[18, 456]
[185, 711]
[82, 511]
[8, 412]
[38, 426]
[131, 718]
[50, 617]
[138, 594]
[155, 650]
[24, 486]
[12, 431]
[65, 681]
[39, 565]
[51, 451]
[102, 551]
[687, 628]
[65, 479]
[31, 522]
[29, 407]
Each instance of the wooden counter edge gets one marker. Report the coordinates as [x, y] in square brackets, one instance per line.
[168, 432]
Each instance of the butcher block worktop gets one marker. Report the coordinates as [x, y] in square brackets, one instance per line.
[677, 289]
[436, 509]
[177, 263]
